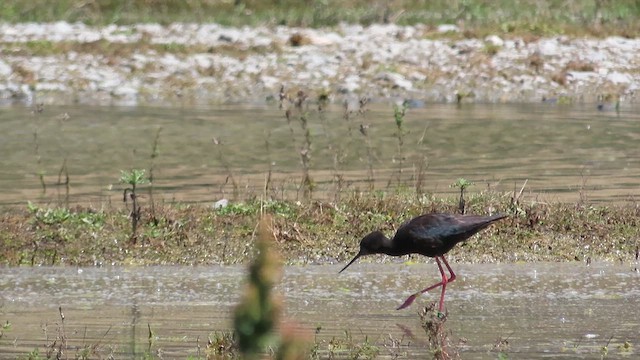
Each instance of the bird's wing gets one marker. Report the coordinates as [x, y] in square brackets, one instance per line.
[435, 234]
[432, 230]
[420, 233]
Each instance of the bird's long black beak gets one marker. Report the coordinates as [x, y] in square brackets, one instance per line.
[351, 262]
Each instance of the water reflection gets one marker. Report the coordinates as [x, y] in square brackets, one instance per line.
[540, 310]
[564, 152]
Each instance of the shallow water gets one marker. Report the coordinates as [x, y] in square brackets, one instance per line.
[542, 310]
[565, 152]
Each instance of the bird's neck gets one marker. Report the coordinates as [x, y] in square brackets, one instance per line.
[391, 247]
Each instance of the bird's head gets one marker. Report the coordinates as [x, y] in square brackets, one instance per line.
[373, 243]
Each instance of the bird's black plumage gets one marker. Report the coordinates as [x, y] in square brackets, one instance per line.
[430, 235]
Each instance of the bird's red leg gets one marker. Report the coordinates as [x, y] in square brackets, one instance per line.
[445, 281]
[453, 275]
[442, 283]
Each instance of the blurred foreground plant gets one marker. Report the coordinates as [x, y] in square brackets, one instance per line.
[258, 313]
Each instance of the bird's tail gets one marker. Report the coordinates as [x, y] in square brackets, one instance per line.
[497, 217]
[482, 222]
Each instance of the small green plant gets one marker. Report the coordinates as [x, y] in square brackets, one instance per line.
[133, 178]
[604, 350]
[151, 337]
[323, 100]
[625, 347]
[366, 350]
[222, 344]
[5, 327]
[491, 49]
[462, 184]
[52, 232]
[462, 94]
[275, 207]
[237, 209]
[49, 216]
[34, 355]
[343, 348]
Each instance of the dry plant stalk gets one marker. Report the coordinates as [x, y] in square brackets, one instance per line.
[433, 323]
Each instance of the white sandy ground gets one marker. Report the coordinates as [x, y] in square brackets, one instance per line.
[250, 64]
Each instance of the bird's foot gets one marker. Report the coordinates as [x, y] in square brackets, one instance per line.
[408, 302]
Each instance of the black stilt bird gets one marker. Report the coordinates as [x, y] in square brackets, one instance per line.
[431, 235]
